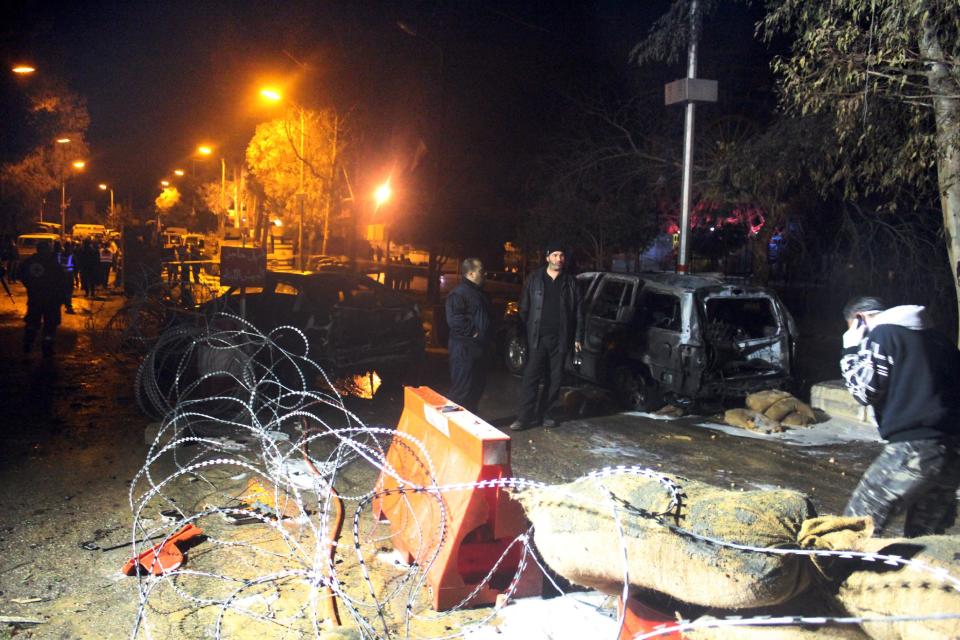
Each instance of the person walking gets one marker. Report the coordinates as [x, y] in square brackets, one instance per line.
[909, 373]
[468, 316]
[68, 262]
[550, 311]
[43, 278]
[88, 260]
[105, 256]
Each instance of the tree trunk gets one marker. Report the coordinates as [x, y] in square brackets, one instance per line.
[946, 109]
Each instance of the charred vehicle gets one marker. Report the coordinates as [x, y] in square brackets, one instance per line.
[352, 324]
[658, 336]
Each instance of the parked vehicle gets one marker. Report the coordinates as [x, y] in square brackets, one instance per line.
[353, 324]
[27, 243]
[659, 336]
[83, 231]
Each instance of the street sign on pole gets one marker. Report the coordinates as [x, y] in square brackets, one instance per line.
[242, 266]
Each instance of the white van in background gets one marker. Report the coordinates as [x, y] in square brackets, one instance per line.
[81, 232]
[27, 243]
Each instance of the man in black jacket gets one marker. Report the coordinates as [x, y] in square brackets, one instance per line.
[45, 281]
[910, 374]
[550, 310]
[468, 316]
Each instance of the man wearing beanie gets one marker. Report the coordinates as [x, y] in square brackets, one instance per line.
[910, 374]
[550, 311]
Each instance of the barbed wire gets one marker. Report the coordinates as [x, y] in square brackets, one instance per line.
[255, 444]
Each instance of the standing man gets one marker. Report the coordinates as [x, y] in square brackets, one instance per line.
[550, 310]
[44, 279]
[468, 316]
[910, 374]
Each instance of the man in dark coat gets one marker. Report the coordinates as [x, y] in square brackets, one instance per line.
[550, 310]
[909, 373]
[44, 279]
[468, 316]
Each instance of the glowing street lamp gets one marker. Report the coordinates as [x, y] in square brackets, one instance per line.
[178, 172]
[23, 69]
[164, 183]
[63, 140]
[204, 150]
[104, 187]
[78, 165]
[271, 94]
[382, 194]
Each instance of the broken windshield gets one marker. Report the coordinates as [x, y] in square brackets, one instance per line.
[739, 319]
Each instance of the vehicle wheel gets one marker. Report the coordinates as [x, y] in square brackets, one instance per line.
[515, 353]
[635, 391]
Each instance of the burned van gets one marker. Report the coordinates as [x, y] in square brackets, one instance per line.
[657, 337]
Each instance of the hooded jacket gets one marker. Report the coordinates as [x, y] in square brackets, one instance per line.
[909, 373]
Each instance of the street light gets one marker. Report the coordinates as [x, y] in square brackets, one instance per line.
[78, 165]
[63, 140]
[23, 69]
[164, 183]
[179, 172]
[272, 95]
[204, 150]
[104, 187]
[382, 193]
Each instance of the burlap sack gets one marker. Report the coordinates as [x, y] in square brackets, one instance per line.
[576, 533]
[782, 632]
[752, 420]
[763, 400]
[784, 407]
[878, 589]
[797, 419]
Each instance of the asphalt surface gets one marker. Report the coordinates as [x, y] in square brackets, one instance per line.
[74, 438]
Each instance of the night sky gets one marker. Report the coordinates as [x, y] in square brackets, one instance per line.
[161, 77]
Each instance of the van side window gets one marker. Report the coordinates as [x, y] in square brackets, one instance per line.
[607, 302]
[662, 311]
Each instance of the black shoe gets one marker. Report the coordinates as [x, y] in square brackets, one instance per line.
[518, 425]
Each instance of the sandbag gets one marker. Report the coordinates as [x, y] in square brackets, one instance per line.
[878, 589]
[752, 420]
[763, 400]
[780, 632]
[797, 419]
[784, 407]
[576, 533]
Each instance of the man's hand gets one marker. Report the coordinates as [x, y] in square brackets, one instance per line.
[854, 335]
[577, 346]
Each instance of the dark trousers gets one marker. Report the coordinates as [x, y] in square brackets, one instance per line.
[919, 477]
[468, 375]
[544, 364]
[45, 313]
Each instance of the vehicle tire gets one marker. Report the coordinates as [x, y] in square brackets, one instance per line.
[515, 353]
[635, 391]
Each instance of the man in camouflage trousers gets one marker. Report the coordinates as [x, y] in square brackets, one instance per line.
[910, 374]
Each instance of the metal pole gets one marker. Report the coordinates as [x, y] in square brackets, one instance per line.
[63, 206]
[223, 187]
[302, 194]
[683, 257]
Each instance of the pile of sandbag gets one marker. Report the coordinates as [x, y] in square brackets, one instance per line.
[601, 532]
[771, 411]
[576, 531]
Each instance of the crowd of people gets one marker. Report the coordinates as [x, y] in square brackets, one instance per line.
[50, 276]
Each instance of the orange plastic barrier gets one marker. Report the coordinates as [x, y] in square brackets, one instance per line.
[641, 619]
[479, 523]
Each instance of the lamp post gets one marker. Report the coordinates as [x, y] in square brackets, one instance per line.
[274, 96]
[104, 187]
[78, 165]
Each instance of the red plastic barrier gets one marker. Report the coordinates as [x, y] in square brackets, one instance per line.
[641, 619]
[480, 523]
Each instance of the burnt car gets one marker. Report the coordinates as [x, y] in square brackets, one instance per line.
[352, 324]
[657, 337]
